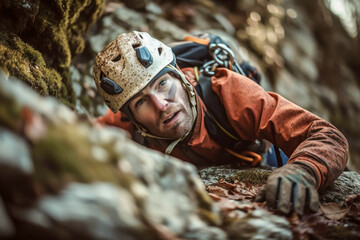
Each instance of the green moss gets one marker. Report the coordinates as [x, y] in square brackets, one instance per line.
[41, 52]
[22, 61]
[67, 91]
[64, 155]
[253, 176]
[9, 112]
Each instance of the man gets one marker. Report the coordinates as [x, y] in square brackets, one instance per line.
[137, 75]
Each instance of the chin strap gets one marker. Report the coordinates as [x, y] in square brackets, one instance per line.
[192, 97]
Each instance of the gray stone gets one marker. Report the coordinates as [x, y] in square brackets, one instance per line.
[14, 152]
[208, 233]
[300, 64]
[166, 30]
[99, 41]
[25, 96]
[121, 20]
[228, 27]
[303, 40]
[106, 211]
[347, 183]
[352, 92]
[294, 89]
[327, 96]
[260, 224]
[129, 19]
[153, 8]
[31, 215]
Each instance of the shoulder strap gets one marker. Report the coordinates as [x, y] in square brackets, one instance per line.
[216, 121]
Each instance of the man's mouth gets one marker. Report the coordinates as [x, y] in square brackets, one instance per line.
[170, 118]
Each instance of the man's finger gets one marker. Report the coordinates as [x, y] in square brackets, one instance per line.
[299, 199]
[313, 199]
[272, 190]
[284, 202]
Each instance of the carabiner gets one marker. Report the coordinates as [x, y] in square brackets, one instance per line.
[221, 54]
[209, 68]
[247, 156]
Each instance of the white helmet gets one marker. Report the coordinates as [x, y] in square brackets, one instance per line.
[127, 65]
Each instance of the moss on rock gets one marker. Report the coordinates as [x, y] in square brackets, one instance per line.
[22, 61]
[37, 45]
[253, 176]
[9, 112]
[64, 155]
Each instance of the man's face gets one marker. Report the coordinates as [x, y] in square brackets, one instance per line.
[163, 108]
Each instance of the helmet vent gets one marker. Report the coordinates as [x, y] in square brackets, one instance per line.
[135, 46]
[110, 86]
[144, 56]
[117, 58]
[160, 50]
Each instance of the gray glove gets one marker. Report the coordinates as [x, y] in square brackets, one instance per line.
[291, 187]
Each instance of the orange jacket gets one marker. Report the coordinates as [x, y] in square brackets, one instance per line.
[257, 114]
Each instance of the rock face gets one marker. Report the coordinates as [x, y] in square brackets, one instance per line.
[60, 175]
[39, 39]
[348, 183]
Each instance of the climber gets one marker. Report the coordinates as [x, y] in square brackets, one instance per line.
[149, 96]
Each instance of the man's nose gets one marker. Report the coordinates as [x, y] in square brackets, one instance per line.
[159, 102]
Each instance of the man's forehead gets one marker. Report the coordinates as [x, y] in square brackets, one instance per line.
[161, 78]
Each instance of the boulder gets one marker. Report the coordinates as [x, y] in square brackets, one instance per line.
[62, 176]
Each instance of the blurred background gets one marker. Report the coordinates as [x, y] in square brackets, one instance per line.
[308, 51]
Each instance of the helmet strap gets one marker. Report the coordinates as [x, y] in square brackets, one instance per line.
[192, 98]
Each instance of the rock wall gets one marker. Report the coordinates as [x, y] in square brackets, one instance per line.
[39, 39]
[66, 178]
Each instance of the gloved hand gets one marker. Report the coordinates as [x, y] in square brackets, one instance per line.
[291, 187]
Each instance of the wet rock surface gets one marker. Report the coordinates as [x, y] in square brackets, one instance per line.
[348, 183]
[260, 224]
[70, 175]
[61, 174]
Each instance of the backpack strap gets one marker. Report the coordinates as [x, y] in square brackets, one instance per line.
[219, 127]
[207, 55]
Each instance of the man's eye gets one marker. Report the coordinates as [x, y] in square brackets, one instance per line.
[139, 102]
[162, 83]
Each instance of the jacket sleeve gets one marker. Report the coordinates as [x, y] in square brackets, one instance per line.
[118, 119]
[305, 137]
